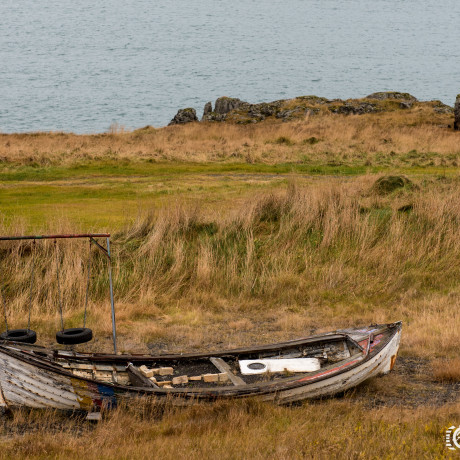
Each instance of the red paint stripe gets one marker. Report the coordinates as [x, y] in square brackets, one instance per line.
[377, 340]
[313, 377]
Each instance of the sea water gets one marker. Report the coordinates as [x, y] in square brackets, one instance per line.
[83, 65]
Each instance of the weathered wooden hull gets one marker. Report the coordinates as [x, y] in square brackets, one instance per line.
[380, 364]
[32, 381]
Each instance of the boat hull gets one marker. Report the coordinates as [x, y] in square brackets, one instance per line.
[380, 364]
[26, 381]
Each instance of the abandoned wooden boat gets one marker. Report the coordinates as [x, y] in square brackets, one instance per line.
[312, 367]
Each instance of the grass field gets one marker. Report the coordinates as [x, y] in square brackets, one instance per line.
[226, 235]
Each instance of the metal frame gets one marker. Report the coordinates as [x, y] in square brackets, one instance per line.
[54, 237]
[106, 251]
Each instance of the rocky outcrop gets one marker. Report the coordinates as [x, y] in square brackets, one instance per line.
[440, 107]
[296, 112]
[241, 112]
[406, 105]
[315, 100]
[402, 101]
[355, 108]
[224, 105]
[457, 113]
[234, 110]
[184, 116]
[394, 95]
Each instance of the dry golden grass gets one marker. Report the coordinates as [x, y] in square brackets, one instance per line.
[253, 267]
[238, 430]
[415, 137]
[280, 265]
[447, 370]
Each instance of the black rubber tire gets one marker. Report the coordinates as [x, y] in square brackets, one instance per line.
[74, 336]
[19, 335]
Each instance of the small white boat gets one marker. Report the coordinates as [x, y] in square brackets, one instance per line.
[37, 377]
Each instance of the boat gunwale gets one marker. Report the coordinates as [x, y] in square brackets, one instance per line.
[108, 357]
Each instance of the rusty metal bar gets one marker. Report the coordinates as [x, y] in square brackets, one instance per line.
[53, 237]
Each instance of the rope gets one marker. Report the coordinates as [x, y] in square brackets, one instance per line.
[31, 284]
[59, 286]
[87, 283]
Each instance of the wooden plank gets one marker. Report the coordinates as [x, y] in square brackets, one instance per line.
[225, 368]
[137, 378]
[83, 366]
[3, 405]
[94, 416]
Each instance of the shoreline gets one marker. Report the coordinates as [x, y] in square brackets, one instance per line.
[236, 111]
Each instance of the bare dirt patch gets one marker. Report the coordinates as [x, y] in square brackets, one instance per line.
[412, 384]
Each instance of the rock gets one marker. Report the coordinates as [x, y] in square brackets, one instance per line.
[383, 95]
[296, 112]
[387, 184]
[440, 107]
[184, 116]
[314, 99]
[266, 109]
[406, 104]
[213, 116]
[207, 109]
[457, 113]
[224, 105]
[353, 108]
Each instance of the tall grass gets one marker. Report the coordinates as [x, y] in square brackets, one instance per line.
[402, 138]
[238, 430]
[297, 260]
[324, 255]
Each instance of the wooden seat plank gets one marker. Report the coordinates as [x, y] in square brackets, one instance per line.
[225, 368]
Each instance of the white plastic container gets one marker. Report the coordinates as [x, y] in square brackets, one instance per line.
[259, 366]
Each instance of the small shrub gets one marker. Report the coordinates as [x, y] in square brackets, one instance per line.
[388, 184]
[311, 141]
[406, 208]
[284, 140]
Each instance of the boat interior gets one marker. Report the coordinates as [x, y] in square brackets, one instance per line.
[238, 367]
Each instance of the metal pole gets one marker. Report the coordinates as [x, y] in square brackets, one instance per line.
[114, 328]
[53, 237]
